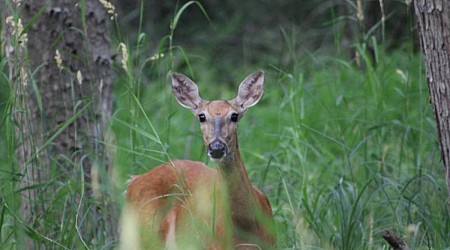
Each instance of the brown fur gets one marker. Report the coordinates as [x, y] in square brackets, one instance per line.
[160, 203]
[185, 202]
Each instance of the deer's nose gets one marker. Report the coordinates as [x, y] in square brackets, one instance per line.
[217, 149]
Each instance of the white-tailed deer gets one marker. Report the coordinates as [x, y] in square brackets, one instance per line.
[191, 206]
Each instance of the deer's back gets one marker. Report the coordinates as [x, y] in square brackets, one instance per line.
[184, 198]
[150, 192]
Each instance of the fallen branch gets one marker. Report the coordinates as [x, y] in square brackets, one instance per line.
[395, 241]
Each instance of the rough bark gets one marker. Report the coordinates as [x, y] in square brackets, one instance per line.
[432, 17]
[61, 111]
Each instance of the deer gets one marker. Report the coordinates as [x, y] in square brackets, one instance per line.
[186, 204]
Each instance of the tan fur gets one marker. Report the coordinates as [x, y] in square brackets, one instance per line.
[191, 206]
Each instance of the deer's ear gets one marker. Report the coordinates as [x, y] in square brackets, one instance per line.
[250, 91]
[185, 91]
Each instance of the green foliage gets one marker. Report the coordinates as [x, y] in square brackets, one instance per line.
[344, 148]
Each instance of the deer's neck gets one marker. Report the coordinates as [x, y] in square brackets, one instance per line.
[239, 188]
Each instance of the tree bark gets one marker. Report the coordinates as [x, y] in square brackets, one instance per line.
[62, 74]
[432, 17]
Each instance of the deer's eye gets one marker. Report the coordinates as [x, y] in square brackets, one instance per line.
[202, 117]
[234, 117]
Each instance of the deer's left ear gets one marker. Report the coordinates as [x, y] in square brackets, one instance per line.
[250, 91]
[185, 91]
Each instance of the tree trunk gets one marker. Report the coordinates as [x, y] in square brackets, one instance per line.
[432, 17]
[62, 75]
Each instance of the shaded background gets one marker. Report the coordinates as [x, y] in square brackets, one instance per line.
[343, 141]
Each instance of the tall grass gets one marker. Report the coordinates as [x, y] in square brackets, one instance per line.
[343, 152]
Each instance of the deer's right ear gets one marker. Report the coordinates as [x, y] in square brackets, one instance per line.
[185, 91]
[250, 91]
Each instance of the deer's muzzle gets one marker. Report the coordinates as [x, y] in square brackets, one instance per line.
[217, 149]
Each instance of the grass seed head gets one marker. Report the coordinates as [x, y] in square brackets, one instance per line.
[58, 60]
[123, 48]
[17, 30]
[79, 77]
[110, 9]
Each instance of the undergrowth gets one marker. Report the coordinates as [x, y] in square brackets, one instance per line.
[343, 149]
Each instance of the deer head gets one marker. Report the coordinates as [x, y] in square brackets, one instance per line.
[218, 119]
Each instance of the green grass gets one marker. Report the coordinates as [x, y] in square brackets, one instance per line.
[343, 152]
